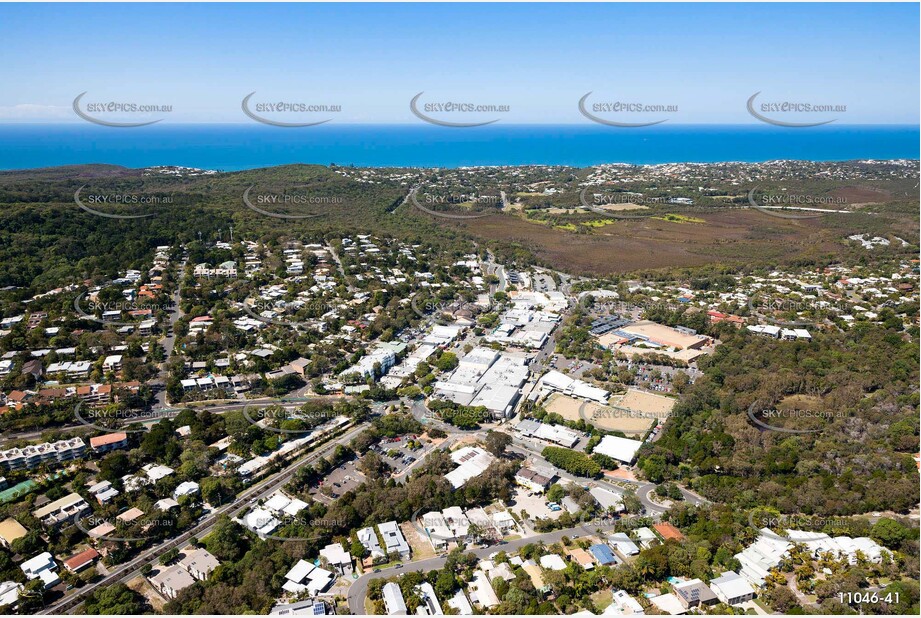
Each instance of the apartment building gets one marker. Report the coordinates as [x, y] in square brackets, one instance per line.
[32, 456]
[68, 508]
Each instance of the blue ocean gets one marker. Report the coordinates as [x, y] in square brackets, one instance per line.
[232, 147]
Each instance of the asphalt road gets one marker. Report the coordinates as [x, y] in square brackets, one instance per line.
[359, 587]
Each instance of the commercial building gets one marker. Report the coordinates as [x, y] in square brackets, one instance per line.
[556, 382]
[471, 461]
[534, 481]
[621, 449]
[485, 377]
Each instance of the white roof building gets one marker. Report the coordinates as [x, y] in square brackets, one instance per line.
[394, 541]
[481, 591]
[368, 538]
[761, 556]
[472, 461]
[187, 488]
[9, 593]
[156, 472]
[460, 603]
[841, 547]
[607, 499]
[669, 604]
[622, 604]
[430, 605]
[338, 558]
[261, 521]
[41, 567]
[554, 381]
[731, 588]
[393, 600]
[553, 562]
[621, 449]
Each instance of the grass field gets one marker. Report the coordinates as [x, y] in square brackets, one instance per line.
[736, 235]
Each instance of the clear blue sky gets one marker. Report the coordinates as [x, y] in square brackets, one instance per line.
[538, 58]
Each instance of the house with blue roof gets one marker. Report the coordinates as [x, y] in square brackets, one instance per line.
[603, 554]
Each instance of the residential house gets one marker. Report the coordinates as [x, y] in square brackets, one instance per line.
[394, 541]
[393, 600]
[694, 593]
[41, 567]
[339, 559]
[732, 589]
[82, 560]
[668, 532]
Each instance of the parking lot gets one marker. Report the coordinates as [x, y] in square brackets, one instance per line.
[397, 453]
[535, 505]
[337, 482]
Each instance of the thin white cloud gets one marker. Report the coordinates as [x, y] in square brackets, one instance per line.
[35, 111]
